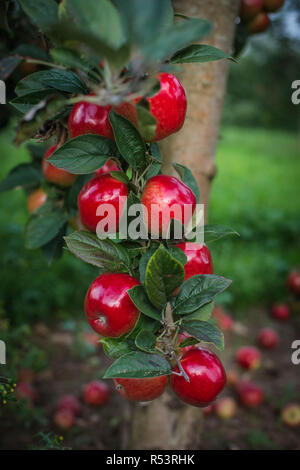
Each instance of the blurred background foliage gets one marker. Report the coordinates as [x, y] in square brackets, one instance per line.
[256, 192]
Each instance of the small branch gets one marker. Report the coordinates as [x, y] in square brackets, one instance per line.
[183, 373]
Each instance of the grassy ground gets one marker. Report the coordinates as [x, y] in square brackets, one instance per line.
[255, 192]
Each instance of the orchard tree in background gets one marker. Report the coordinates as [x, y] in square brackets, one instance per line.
[105, 94]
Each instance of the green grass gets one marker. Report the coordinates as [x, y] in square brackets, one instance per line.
[256, 192]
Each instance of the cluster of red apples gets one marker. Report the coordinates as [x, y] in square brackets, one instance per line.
[108, 307]
[254, 14]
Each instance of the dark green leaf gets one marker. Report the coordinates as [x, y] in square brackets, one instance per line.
[203, 313]
[34, 52]
[70, 58]
[143, 263]
[198, 53]
[197, 291]
[141, 301]
[61, 80]
[155, 151]
[120, 176]
[24, 175]
[43, 227]
[178, 254]
[53, 250]
[146, 341]
[163, 275]
[115, 347]
[188, 178]
[84, 154]
[129, 141]
[204, 331]
[43, 13]
[215, 232]
[25, 102]
[102, 253]
[138, 365]
[72, 194]
[146, 123]
[8, 65]
[188, 342]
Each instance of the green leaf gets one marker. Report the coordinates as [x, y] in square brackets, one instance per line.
[120, 176]
[43, 226]
[70, 58]
[24, 175]
[29, 50]
[143, 263]
[129, 141]
[115, 347]
[198, 53]
[72, 194]
[146, 123]
[163, 275]
[188, 342]
[43, 13]
[146, 341]
[141, 301]
[203, 313]
[25, 102]
[144, 20]
[99, 18]
[138, 365]
[188, 178]
[215, 232]
[197, 291]
[102, 253]
[61, 80]
[84, 154]
[8, 65]
[178, 254]
[53, 250]
[205, 332]
[177, 37]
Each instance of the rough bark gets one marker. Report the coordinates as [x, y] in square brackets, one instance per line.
[165, 423]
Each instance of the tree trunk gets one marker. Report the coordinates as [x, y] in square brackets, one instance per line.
[167, 423]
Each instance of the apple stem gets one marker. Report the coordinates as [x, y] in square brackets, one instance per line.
[182, 371]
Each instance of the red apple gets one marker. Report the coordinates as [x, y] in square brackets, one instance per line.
[90, 118]
[141, 389]
[281, 312]
[96, 393]
[110, 165]
[64, 418]
[168, 106]
[250, 8]
[166, 197]
[248, 357]
[36, 199]
[108, 307]
[290, 415]
[69, 402]
[101, 191]
[199, 260]
[249, 394]
[268, 338]
[206, 374]
[209, 410]
[273, 5]
[226, 407]
[56, 175]
[258, 24]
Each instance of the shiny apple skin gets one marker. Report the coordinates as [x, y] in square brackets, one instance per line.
[110, 165]
[273, 5]
[36, 199]
[90, 118]
[103, 189]
[168, 106]
[141, 389]
[207, 378]
[258, 24]
[268, 338]
[199, 260]
[108, 307]
[249, 394]
[96, 393]
[250, 8]
[281, 312]
[248, 357]
[56, 175]
[166, 190]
